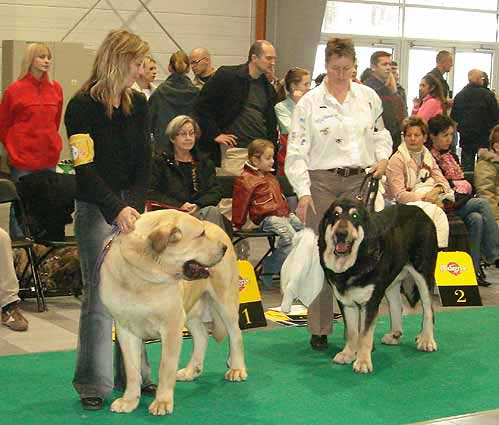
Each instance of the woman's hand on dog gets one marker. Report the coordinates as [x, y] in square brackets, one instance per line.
[126, 219]
[304, 203]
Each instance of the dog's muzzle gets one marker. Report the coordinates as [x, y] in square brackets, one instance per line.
[342, 246]
[194, 270]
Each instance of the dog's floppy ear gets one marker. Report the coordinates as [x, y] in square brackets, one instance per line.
[161, 236]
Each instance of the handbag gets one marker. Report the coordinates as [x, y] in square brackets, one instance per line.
[368, 190]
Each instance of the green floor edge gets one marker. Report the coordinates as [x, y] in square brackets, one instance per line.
[288, 382]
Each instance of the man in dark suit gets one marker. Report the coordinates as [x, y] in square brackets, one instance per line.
[236, 106]
[475, 110]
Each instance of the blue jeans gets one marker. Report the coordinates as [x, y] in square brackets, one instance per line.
[14, 228]
[482, 229]
[94, 364]
[285, 228]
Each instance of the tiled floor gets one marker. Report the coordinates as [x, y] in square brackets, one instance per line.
[57, 329]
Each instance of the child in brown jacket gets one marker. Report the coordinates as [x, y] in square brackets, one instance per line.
[258, 192]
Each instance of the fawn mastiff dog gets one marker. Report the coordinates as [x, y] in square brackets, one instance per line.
[162, 276]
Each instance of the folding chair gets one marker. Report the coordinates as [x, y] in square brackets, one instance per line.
[32, 191]
[227, 184]
[8, 193]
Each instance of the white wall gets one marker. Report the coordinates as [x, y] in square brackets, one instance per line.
[225, 27]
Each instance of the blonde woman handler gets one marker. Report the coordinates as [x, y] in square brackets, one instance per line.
[107, 124]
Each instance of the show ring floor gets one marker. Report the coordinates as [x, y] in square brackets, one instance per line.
[289, 383]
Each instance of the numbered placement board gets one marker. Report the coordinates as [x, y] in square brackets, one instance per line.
[456, 280]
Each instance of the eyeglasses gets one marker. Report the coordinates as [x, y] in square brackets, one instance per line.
[186, 133]
[196, 62]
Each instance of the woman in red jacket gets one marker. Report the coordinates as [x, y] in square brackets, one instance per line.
[30, 114]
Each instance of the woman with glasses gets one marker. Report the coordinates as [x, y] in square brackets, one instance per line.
[182, 179]
[175, 96]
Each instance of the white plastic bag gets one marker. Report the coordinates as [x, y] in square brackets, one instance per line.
[302, 276]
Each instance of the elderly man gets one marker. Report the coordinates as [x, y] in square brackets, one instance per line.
[475, 110]
[202, 69]
[236, 106]
[9, 287]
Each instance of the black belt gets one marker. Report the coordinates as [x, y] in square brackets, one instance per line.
[345, 172]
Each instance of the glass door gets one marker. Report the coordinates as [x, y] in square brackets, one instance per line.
[465, 61]
[421, 61]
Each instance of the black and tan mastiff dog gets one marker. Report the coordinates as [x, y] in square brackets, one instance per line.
[366, 256]
[168, 273]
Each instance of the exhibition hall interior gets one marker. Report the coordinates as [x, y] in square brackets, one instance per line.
[249, 211]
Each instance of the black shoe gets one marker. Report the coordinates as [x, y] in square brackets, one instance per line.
[481, 281]
[319, 342]
[91, 403]
[149, 390]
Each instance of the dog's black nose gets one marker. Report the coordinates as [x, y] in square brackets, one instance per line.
[341, 236]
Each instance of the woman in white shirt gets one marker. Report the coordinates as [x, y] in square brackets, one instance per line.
[297, 83]
[336, 133]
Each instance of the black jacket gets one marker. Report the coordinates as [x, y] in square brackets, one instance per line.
[167, 184]
[122, 149]
[174, 96]
[220, 102]
[393, 109]
[475, 110]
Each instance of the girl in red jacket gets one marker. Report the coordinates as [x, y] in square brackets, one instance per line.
[30, 114]
[258, 192]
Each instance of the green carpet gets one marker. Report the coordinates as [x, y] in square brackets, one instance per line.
[289, 383]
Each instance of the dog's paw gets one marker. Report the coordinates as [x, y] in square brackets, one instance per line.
[121, 405]
[363, 366]
[424, 343]
[161, 407]
[236, 375]
[188, 374]
[344, 357]
[392, 338]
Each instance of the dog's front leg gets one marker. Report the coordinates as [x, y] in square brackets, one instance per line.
[363, 364]
[351, 319]
[171, 343]
[131, 347]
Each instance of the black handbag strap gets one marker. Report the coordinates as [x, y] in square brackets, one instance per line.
[368, 190]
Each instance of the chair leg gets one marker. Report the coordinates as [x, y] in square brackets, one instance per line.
[40, 296]
[259, 265]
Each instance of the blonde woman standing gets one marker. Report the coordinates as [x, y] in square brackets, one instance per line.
[30, 114]
[107, 124]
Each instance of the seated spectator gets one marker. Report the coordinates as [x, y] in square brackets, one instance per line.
[431, 98]
[184, 180]
[414, 177]
[259, 193]
[175, 96]
[9, 287]
[297, 82]
[475, 212]
[487, 173]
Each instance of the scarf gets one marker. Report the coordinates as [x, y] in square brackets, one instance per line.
[423, 176]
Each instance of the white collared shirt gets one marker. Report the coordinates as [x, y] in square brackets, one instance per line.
[326, 134]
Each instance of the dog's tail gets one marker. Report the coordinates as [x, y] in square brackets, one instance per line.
[410, 290]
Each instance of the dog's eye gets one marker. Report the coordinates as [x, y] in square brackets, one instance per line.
[354, 215]
[336, 214]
